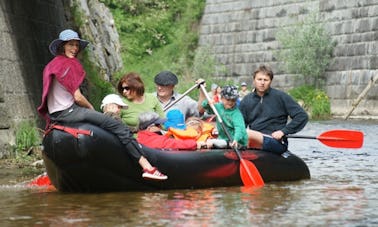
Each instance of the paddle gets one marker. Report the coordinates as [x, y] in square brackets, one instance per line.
[248, 171]
[181, 97]
[337, 138]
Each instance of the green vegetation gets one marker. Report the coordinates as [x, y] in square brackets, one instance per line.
[315, 101]
[306, 49]
[26, 149]
[97, 87]
[27, 136]
[158, 35]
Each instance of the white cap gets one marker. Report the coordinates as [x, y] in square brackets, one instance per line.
[113, 98]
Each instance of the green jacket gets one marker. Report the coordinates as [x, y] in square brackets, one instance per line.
[232, 119]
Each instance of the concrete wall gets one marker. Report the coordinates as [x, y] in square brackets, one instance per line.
[241, 34]
[26, 29]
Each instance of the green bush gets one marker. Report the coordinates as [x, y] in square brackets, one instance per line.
[97, 88]
[27, 136]
[306, 49]
[315, 101]
[157, 35]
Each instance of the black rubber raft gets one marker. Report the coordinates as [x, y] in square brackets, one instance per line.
[97, 163]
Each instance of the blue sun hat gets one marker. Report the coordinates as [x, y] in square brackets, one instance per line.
[175, 119]
[64, 36]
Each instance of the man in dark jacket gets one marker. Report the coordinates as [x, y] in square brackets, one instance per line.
[266, 111]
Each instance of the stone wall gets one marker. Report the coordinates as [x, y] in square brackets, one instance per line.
[26, 28]
[241, 34]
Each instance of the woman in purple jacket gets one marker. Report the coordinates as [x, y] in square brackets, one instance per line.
[63, 102]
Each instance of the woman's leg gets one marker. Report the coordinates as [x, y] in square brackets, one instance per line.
[80, 114]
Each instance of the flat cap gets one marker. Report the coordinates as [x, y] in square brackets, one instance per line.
[165, 78]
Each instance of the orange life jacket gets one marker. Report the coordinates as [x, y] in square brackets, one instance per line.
[191, 133]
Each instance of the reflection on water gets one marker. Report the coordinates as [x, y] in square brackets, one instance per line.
[341, 192]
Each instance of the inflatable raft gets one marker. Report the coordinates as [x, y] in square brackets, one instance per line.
[86, 158]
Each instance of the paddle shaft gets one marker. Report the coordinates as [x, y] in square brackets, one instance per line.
[246, 166]
[181, 97]
[220, 120]
[301, 137]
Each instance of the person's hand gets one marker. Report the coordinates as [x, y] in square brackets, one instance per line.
[234, 143]
[278, 135]
[201, 81]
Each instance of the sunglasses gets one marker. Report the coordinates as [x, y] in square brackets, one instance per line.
[125, 88]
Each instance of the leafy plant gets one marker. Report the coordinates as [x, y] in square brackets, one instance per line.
[315, 101]
[27, 136]
[306, 49]
[157, 35]
[97, 88]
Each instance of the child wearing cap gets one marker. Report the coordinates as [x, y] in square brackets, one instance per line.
[231, 117]
[243, 90]
[112, 104]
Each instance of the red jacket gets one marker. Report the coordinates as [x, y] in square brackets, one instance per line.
[157, 141]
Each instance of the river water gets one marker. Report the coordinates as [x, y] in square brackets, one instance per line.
[342, 191]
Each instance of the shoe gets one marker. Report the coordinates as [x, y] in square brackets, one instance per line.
[153, 174]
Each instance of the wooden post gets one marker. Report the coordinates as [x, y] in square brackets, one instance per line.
[362, 95]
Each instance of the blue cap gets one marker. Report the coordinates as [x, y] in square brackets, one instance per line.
[175, 119]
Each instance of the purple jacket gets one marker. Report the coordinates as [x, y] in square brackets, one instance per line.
[68, 71]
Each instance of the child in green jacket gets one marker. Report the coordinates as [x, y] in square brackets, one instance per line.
[231, 117]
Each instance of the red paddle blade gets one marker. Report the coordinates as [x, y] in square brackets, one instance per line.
[41, 181]
[249, 174]
[342, 138]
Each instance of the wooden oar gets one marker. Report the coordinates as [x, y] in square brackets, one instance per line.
[248, 172]
[337, 138]
[181, 97]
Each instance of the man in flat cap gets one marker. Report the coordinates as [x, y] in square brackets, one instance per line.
[165, 83]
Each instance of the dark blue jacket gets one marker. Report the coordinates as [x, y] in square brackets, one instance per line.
[270, 113]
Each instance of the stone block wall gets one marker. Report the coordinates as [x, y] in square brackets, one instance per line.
[241, 34]
[26, 28]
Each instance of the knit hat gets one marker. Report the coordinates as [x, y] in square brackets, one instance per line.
[175, 119]
[113, 98]
[166, 78]
[64, 36]
[148, 118]
[230, 92]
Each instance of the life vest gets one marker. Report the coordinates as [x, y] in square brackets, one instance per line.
[192, 133]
